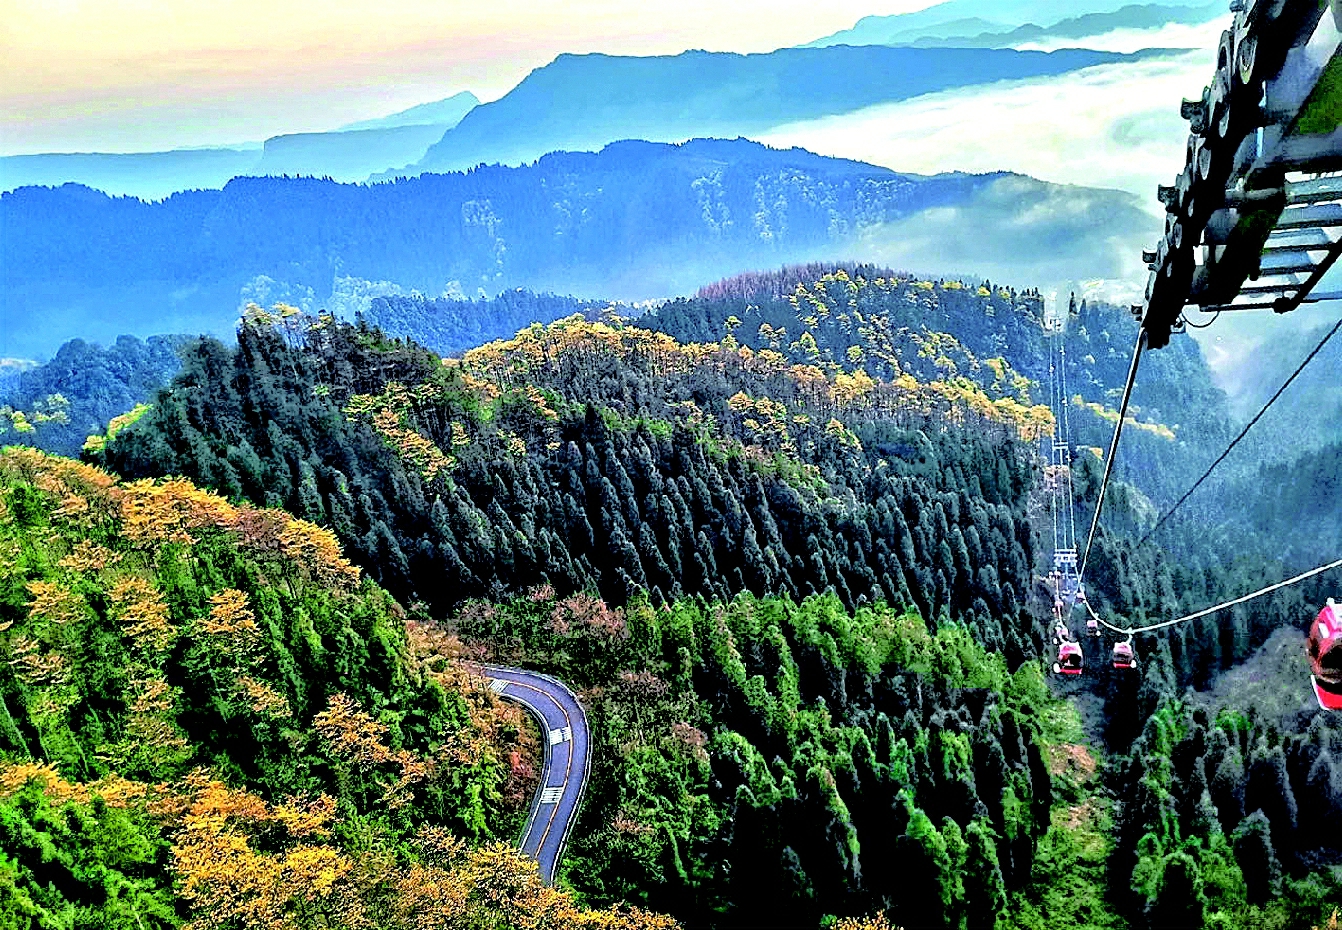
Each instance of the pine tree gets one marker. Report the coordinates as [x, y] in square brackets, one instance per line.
[1179, 902]
[985, 890]
[1257, 859]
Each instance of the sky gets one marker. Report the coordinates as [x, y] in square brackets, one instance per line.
[143, 75]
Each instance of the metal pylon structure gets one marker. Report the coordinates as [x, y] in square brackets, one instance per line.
[1255, 219]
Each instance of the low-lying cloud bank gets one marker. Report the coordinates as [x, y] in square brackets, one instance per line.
[1114, 126]
[1021, 231]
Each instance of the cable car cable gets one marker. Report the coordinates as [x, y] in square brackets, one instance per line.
[1211, 610]
[1215, 316]
[1113, 447]
[1244, 432]
[1067, 438]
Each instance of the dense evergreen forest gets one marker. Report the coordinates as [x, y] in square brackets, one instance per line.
[210, 716]
[889, 324]
[1310, 486]
[704, 470]
[763, 762]
[784, 540]
[450, 326]
[58, 405]
[667, 466]
[586, 460]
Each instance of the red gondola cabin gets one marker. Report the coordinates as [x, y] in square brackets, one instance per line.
[1123, 656]
[1325, 656]
[1069, 659]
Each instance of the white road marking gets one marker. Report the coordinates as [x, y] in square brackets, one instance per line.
[562, 735]
[497, 685]
[552, 794]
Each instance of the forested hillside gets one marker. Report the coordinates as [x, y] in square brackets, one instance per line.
[702, 468]
[83, 257]
[590, 508]
[1225, 811]
[450, 326]
[58, 405]
[888, 324]
[763, 762]
[1282, 493]
[555, 498]
[783, 537]
[210, 717]
[687, 470]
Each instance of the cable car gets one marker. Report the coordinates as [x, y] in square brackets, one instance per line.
[1069, 661]
[1092, 627]
[1123, 656]
[1061, 634]
[1325, 656]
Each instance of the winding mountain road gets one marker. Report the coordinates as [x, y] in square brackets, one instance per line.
[568, 759]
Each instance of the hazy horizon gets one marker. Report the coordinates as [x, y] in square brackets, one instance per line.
[147, 75]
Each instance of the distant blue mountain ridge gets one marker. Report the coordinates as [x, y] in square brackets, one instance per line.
[446, 112]
[351, 153]
[582, 102]
[966, 19]
[635, 221]
[575, 103]
[1092, 25]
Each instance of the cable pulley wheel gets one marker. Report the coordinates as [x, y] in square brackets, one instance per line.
[1246, 56]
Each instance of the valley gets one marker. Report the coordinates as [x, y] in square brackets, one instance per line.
[663, 549]
[592, 501]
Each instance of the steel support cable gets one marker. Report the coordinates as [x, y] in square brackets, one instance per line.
[1067, 438]
[1211, 610]
[1053, 446]
[1244, 432]
[1113, 448]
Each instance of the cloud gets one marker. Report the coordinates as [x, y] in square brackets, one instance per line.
[1203, 36]
[1026, 233]
[1113, 126]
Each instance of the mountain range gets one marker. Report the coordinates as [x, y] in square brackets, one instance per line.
[965, 19]
[636, 221]
[350, 153]
[575, 103]
[1091, 25]
[582, 102]
[446, 112]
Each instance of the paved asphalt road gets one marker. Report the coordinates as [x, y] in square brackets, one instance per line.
[567, 742]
